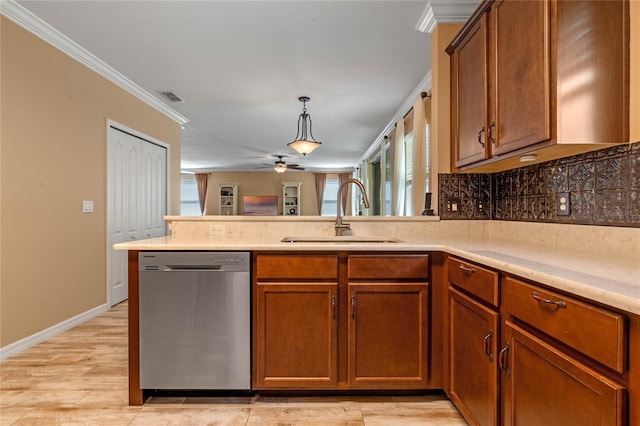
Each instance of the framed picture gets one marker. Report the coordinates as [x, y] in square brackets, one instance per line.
[260, 205]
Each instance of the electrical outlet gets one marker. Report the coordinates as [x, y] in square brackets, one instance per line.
[480, 205]
[563, 204]
[453, 205]
[216, 230]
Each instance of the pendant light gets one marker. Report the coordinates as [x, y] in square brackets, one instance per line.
[304, 142]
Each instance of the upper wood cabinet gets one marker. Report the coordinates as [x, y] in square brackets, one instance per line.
[469, 65]
[544, 77]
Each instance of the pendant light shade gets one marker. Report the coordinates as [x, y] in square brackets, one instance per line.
[304, 142]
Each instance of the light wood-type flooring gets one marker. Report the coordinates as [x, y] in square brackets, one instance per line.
[80, 378]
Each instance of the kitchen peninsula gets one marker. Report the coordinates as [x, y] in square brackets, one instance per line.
[581, 283]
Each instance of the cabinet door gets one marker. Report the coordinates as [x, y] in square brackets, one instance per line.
[521, 33]
[295, 336]
[544, 386]
[473, 367]
[388, 342]
[469, 87]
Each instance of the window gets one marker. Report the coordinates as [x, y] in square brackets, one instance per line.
[427, 141]
[189, 202]
[329, 198]
[408, 190]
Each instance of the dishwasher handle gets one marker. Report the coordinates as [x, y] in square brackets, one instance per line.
[195, 268]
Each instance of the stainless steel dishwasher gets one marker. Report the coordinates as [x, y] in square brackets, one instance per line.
[195, 320]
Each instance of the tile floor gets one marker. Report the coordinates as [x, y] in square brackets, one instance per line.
[80, 378]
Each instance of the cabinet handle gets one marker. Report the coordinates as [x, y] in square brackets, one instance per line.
[466, 270]
[480, 141]
[492, 127]
[333, 307]
[353, 307]
[487, 345]
[502, 360]
[559, 303]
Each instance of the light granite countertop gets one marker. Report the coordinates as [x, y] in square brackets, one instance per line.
[608, 280]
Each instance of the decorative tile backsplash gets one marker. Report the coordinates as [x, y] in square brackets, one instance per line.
[601, 187]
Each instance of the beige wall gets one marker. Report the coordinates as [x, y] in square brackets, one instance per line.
[441, 37]
[263, 183]
[53, 156]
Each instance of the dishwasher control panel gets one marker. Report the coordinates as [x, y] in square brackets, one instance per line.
[207, 260]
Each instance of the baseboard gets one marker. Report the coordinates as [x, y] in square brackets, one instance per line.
[24, 344]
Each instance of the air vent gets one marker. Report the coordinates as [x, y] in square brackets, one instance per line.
[172, 97]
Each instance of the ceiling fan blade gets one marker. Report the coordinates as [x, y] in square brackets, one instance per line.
[294, 167]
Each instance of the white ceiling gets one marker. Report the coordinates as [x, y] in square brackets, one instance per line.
[240, 67]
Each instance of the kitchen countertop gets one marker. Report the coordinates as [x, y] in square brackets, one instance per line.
[609, 280]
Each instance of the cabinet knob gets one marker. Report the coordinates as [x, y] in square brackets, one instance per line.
[487, 345]
[559, 303]
[492, 127]
[353, 307]
[480, 138]
[466, 270]
[502, 360]
[333, 307]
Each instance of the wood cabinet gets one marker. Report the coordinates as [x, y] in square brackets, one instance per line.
[228, 199]
[298, 340]
[388, 335]
[553, 350]
[291, 198]
[295, 321]
[341, 321]
[520, 353]
[473, 341]
[469, 65]
[543, 386]
[539, 76]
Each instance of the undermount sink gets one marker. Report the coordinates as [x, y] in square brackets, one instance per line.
[340, 239]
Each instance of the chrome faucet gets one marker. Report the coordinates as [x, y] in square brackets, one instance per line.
[341, 227]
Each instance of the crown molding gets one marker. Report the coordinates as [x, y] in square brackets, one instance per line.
[30, 22]
[445, 12]
[407, 104]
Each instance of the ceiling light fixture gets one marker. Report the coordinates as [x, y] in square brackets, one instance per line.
[280, 167]
[304, 142]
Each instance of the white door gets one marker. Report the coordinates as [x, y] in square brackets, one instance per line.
[154, 193]
[137, 200]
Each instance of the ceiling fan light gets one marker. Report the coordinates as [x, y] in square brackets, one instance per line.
[303, 146]
[280, 168]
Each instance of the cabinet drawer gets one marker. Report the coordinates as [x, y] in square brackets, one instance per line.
[398, 267]
[595, 332]
[297, 266]
[479, 281]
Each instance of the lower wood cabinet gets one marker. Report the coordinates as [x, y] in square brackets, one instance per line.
[473, 366]
[388, 335]
[522, 354]
[544, 386]
[297, 344]
[342, 326]
[561, 359]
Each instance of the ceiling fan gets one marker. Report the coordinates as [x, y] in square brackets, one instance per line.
[281, 166]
